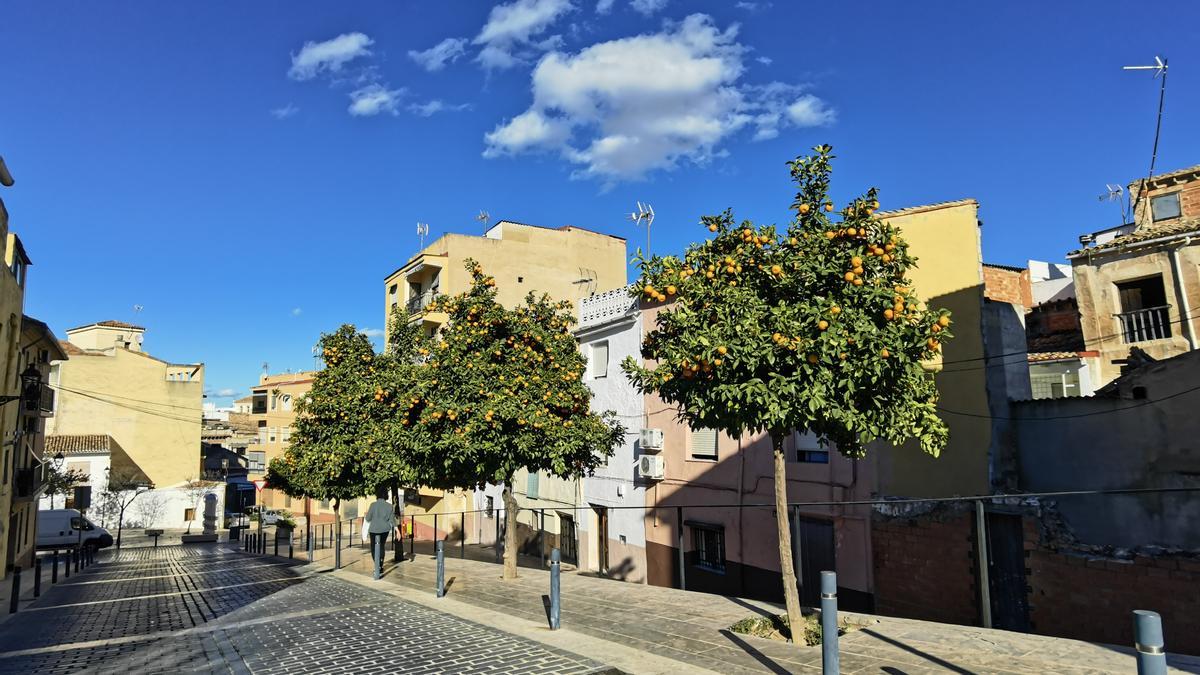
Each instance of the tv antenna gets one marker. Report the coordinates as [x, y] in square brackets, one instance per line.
[137, 309]
[422, 232]
[644, 212]
[483, 217]
[1115, 193]
[266, 367]
[587, 281]
[1159, 68]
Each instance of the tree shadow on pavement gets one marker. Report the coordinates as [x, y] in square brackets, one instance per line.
[913, 650]
[758, 656]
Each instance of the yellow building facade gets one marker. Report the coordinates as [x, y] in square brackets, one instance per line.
[151, 407]
[20, 522]
[567, 263]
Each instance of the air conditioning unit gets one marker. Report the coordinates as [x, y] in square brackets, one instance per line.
[651, 467]
[652, 440]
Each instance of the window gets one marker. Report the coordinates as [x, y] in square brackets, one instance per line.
[1144, 310]
[256, 461]
[1164, 207]
[272, 434]
[18, 270]
[599, 361]
[704, 444]
[285, 433]
[808, 450]
[491, 507]
[286, 402]
[531, 485]
[709, 543]
[189, 515]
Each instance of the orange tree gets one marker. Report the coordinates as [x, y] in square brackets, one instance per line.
[335, 451]
[811, 327]
[503, 391]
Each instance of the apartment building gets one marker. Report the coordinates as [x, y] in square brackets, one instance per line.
[149, 407]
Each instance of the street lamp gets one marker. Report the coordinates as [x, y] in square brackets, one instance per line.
[57, 460]
[31, 380]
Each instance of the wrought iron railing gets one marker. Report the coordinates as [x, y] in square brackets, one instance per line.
[1140, 325]
[419, 302]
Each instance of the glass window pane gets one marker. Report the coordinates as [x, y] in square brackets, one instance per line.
[1163, 207]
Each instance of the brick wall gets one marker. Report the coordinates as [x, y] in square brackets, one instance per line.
[925, 568]
[1091, 599]
[1004, 285]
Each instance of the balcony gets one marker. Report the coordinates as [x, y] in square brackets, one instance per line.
[26, 483]
[39, 398]
[419, 302]
[1142, 325]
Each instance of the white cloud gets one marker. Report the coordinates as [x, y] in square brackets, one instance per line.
[315, 58]
[435, 106]
[507, 37]
[622, 108]
[753, 6]
[810, 111]
[285, 112]
[765, 60]
[647, 7]
[604, 6]
[296, 311]
[226, 392]
[436, 57]
[372, 332]
[374, 99]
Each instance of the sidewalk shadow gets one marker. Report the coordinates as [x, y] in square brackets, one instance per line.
[913, 650]
[758, 656]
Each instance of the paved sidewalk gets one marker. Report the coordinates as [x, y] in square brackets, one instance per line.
[690, 627]
[209, 609]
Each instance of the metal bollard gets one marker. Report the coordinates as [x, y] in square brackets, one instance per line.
[67, 565]
[376, 557]
[350, 544]
[290, 551]
[498, 544]
[435, 530]
[1148, 641]
[555, 590]
[441, 569]
[412, 537]
[276, 544]
[830, 658]
[311, 552]
[16, 591]
[37, 577]
[246, 544]
[337, 553]
[54, 567]
[77, 556]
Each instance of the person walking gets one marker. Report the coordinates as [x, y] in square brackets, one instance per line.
[381, 520]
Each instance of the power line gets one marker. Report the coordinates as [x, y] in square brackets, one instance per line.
[1066, 417]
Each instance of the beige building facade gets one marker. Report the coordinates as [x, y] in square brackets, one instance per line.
[152, 408]
[1138, 285]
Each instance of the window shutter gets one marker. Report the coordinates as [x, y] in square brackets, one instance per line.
[531, 486]
[600, 359]
[704, 443]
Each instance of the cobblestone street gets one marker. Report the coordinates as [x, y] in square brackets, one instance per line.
[210, 610]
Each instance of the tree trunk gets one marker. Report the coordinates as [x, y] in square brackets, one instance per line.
[510, 531]
[791, 595]
[120, 525]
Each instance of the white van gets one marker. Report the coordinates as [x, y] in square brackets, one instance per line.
[63, 528]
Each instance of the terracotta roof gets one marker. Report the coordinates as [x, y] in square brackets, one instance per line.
[927, 207]
[1036, 357]
[73, 350]
[108, 324]
[77, 444]
[1169, 175]
[1143, 233]
[1067, 341]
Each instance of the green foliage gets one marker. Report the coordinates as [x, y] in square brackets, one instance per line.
[336, 450]
[63, 481]
[502, 390]
[777, 627]
[814, 326]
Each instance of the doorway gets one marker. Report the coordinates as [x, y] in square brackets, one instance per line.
[601, 538]
[817, 553]
[567, 543]
[1006, 572]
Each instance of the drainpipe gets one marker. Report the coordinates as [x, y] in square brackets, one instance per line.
[1184, 308]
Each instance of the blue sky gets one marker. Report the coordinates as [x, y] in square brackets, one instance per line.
[249, 173]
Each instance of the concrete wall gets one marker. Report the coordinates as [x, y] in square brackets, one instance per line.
[156, 420]
[946, 241]
[1121, 442]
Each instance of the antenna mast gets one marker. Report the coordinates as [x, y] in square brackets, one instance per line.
[1159, 68]
[483, 217]
[644, 212]
[422, 232]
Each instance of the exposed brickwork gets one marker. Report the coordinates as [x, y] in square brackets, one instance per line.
[1005, 285]
[1091, 599]
[924, 568]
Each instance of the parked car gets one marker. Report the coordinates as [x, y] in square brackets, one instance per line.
[61, 528]
[271, 516]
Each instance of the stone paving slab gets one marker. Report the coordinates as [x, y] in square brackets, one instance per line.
[690, 627]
